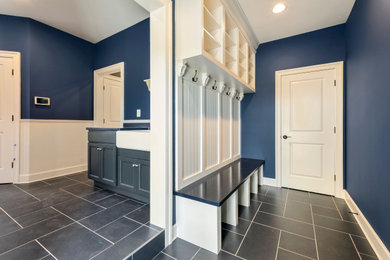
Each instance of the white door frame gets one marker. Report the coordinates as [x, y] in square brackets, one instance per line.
[339, 171]
[17, 107]
[98, 76]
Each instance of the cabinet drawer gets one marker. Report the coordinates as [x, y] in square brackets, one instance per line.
[108, 137]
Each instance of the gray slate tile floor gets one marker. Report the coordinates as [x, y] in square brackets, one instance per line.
[68, 218]
[285, 224]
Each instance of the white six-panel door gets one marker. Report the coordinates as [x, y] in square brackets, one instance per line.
[112, 102]
[308, 139]
[7, 130]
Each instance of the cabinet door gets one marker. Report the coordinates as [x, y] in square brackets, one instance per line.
[108, 158]
[94, 161]
[143, 177]
[127, 173]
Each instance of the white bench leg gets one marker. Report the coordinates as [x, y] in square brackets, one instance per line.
[255, 182]
[260, 174]
[230, 210]
[199, 223]
[244, 193]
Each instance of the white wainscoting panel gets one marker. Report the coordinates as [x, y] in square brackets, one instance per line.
[208, 125]
[236, 135]
[211, 128]
[226, 131]
[51, 148]
[192, 129]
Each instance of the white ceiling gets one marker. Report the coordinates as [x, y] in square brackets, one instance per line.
[301, 16]
[91, 20]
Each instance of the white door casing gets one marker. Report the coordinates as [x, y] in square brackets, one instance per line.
[308, 130]
[111, 101]
[9, 116]
[100, 96]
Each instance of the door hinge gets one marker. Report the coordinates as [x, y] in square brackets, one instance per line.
[104, 121]
[12, 165]
[334, 129]
[334, 177]
[13, 118]
[13, 72]
[104, 87]
[334, 83]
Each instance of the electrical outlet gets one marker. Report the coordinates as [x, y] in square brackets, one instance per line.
[138, 112]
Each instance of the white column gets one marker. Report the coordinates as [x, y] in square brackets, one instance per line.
[244, 196]
[199, 223]
[255, 182]
[230, 210]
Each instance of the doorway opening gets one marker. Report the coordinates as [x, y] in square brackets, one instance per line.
[309, 128]
[109, 96]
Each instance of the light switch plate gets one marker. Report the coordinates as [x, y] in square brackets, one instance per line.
[138, 112]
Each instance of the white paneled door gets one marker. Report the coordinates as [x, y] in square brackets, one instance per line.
[308, 139]
[7, 130]
[112, 102]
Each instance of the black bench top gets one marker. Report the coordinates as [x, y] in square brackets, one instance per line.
[216, 187]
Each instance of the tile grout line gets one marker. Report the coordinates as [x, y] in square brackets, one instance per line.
[277, 247]
[115, 242]
[162, 252]
[285, 204]
[122, 216]
[27, 193]
[5, 252]
[80, 198]
[295, 253]
[292, 233]
[238, 249]
[47, 250]
[334, 202]
[12, 219]
[84, 226]
[314, 230]
[335, 218]
[196, 253]
[343, 232]
[227, 252]
[357, 251]
[293, 219]
[369, 255]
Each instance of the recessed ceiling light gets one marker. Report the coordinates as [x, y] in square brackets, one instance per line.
[278, 8]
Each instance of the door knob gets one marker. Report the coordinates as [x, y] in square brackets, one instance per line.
[286, 136]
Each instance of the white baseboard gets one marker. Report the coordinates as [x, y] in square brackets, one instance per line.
[380, 249]
[268, 181]
[38, 176]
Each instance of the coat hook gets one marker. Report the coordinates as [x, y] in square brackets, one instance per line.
[194, 78]
[214, 87]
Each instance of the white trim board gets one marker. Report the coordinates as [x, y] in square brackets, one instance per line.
[136, 121]
[376, 243]
[98, 85]
[339, 171]
[17, 107]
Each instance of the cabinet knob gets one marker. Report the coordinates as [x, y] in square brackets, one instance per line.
[99, 149]
[135, 165]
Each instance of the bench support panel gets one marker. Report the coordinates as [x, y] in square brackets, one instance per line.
[230, 210]
[199, 223]
[244, 195]
[255, 182]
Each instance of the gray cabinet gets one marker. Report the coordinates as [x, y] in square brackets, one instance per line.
[102, 163]
[134, 172]
[120, 170]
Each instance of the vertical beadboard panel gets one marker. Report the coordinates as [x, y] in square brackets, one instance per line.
[211, 128]
[226, 116]
[192, 129]
[236, 128]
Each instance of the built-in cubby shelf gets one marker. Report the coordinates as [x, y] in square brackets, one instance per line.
[205, 28]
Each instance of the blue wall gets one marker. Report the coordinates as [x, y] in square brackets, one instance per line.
[58, 65]
[60, 68]
[258, 110]
[368, 112]
[133, 47]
